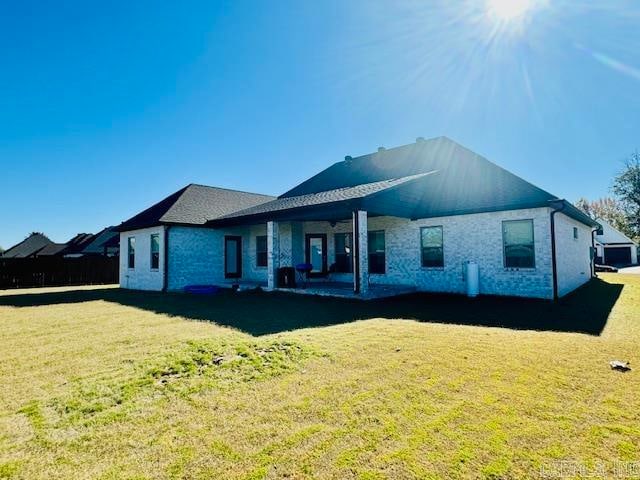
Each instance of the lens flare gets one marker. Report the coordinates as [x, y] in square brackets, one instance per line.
[507, 10]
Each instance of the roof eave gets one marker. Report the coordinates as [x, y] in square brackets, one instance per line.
[287, 214]
[574, 212]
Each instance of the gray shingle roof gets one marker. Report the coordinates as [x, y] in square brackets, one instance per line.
[97, 243]
[51, 250]
[446, 179]
[194, 205]
[458, 165]
[321, 198]
[28, 247]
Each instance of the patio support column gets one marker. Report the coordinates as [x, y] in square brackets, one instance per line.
[273, 254]
[360, 253]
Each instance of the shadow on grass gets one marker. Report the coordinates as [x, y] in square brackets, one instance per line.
[258, 313]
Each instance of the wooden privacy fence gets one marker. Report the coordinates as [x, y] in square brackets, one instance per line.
[57, 271]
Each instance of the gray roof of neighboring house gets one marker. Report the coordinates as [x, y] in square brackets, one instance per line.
[99, 240]
[77, 244]
[193, 205]
[52, 249]
[28, 247]
[435, 178]
[74, 246]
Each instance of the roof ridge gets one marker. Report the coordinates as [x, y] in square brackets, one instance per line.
[398, 147]
[227, 189]
[362, 158]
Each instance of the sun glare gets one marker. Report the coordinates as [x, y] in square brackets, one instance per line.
[508, 10]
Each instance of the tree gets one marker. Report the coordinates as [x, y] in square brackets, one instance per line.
[608, 209]
[626, 186]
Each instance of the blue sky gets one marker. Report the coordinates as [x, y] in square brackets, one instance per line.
[107, 108]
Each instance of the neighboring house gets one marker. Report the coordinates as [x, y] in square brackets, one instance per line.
[37, 262]
[614, 248]
[29, 247]
[70, 249]
[75, 247]
[106, 243]
[52, 250]
[410, 216]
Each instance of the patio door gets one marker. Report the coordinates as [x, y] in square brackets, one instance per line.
[232, 257]
[316, 253]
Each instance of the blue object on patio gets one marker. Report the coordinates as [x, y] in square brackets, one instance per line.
[303, 270]
[202, 289]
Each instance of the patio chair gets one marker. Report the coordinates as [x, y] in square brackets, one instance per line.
[303, 270]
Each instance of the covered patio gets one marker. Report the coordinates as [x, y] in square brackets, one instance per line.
[329, 232]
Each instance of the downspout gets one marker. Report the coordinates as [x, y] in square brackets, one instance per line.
[593, 247]
[554, 266]
[165, 276]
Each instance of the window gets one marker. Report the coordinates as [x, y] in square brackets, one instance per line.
[155, 251]
[519, 251]
[575, 232]
[261, 251]
[376, 252]
[344, 245]
[131, 251]
[431, 243]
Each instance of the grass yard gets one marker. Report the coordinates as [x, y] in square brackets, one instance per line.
[108, 384]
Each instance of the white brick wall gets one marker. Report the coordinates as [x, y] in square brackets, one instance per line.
[141, 277]
[196, 254]
[250, 270]
[476, 237]
[195, 257]
[573, 258]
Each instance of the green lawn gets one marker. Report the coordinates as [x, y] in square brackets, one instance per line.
[103, 383]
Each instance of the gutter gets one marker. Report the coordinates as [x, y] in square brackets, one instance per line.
[554, 266]
[165, 276]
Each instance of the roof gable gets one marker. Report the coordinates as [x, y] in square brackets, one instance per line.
[462, 172]
[611, 234]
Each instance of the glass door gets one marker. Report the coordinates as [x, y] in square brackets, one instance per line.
[232, 257]
[316, 253]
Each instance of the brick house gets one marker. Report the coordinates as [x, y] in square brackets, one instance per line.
[402, 219]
